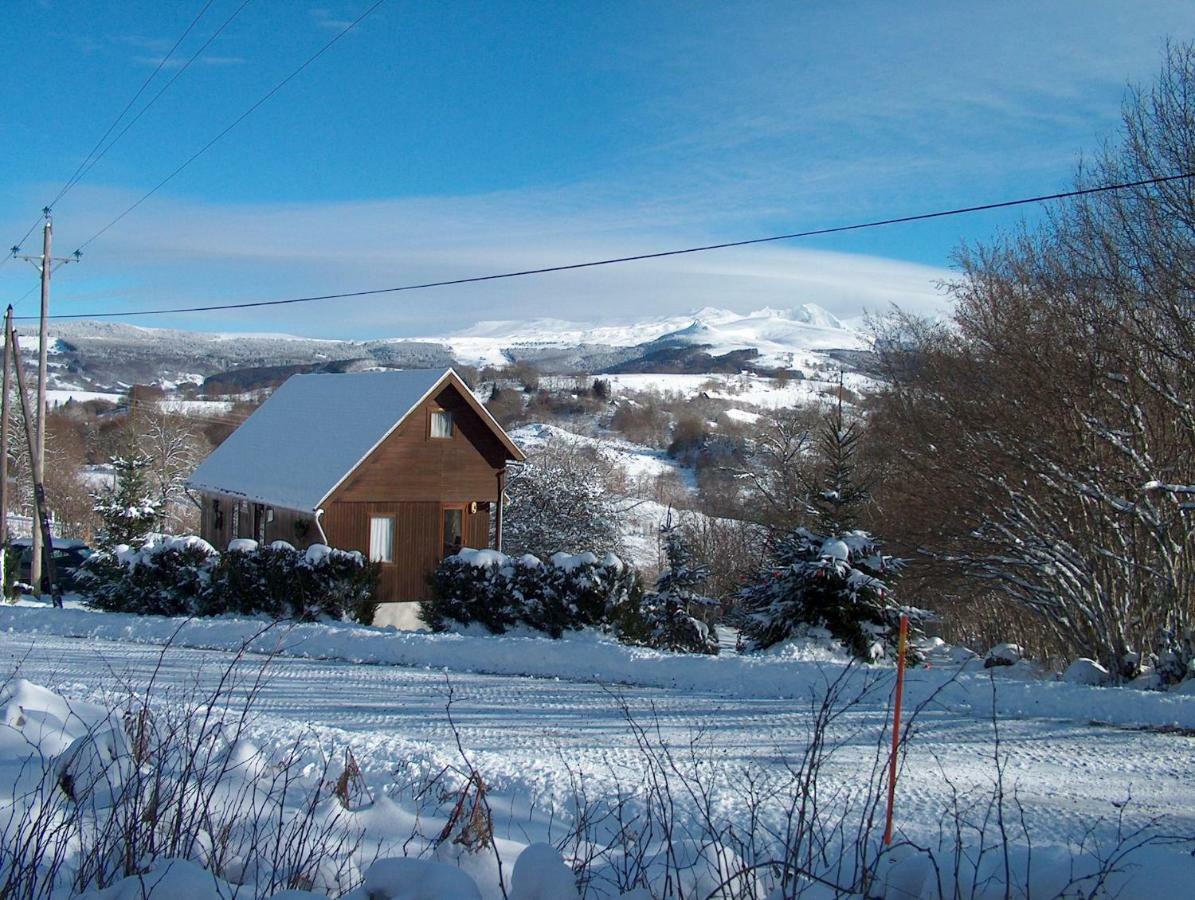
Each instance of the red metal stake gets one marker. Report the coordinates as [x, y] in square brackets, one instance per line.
[901, 648]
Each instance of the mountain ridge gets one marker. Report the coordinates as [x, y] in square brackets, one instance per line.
[112, 356]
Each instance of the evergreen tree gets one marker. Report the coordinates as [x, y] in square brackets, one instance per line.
[127, 508]
[837, 582]
[666, 619]
[838, 489]
[836, 576]
[683, 574]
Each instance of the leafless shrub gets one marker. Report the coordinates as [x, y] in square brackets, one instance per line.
[175, 777]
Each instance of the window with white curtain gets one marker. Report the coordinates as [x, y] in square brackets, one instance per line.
[441, 423]
[381, 538]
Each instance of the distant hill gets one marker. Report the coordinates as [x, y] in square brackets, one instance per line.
[108, 356]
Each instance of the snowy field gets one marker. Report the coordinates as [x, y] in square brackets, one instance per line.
[533, 739]
[754, 391]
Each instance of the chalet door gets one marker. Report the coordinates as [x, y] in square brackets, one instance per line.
[453, 529]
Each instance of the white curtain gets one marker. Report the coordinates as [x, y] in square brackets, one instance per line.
[381, 539]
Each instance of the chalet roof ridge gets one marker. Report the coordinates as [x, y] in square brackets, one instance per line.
[317, 428]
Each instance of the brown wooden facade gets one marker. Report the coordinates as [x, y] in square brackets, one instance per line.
[425, 484]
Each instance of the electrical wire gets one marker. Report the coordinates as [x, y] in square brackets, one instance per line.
[96, 153]
[235, 122]
[79, 170]
[475, 279]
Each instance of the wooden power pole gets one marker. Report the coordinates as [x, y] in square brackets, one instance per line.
[42, 526]
[46, 263]
[4, 415]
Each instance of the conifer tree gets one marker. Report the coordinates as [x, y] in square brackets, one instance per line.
[127, 507]
[833, 575]
[667, 616]
[838, 489]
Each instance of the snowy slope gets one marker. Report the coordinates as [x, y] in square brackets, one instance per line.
[783, 337]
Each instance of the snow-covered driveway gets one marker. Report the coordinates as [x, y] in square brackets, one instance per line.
[523, 732]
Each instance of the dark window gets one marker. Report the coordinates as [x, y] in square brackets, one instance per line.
[453, 530]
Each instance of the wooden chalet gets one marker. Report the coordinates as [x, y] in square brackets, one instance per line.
[405, 466]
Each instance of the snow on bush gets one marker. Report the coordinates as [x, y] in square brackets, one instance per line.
[1003, 655]
[495, 590]
[540, 874]
[171, 879]
[824, 581]
[1086, 671]
[402, 878]
[186, 576]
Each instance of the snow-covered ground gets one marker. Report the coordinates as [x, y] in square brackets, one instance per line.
[60, 396]
[195, 407]
[745, 389]
[385, 694]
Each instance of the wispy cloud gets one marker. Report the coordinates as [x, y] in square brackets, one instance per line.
[177, 63]
[180, 253]
[329, 19]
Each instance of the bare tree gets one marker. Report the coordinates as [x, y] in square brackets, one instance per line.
[1045, 442]
[773, 469]
[174, 447]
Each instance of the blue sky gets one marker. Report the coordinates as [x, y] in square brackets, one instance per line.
[439, 140]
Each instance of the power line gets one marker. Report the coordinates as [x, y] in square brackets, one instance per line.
[96, 153]
[235, 122]
[88, 162]
[837, 229]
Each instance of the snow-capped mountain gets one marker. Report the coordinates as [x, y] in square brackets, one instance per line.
[781, 337]
[110, 356]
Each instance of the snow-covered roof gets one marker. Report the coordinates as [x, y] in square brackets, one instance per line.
[312, 431]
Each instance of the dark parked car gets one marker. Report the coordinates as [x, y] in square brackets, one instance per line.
[69, 554]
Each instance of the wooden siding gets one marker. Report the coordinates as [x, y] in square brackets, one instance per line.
[418, 540]
[409, 465]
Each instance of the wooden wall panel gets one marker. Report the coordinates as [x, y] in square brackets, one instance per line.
[410, 465]
[418, 538]
[477, 527]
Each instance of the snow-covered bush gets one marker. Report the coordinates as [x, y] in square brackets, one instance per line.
[1003, 655]
[1086, 671]
[403, 878]
[497, 591]
[559, 502]
[660, 622]
[1175, 660]
[836, 582]
[286, 583]
[166, 577]
[478, 586]
[186, 576]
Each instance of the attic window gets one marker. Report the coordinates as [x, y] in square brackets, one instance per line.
[441, 423]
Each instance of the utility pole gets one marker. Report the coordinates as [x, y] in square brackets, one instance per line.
[4, 433]
[39, 491]
[45, 264]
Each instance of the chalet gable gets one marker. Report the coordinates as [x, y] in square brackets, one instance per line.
[314, 431]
